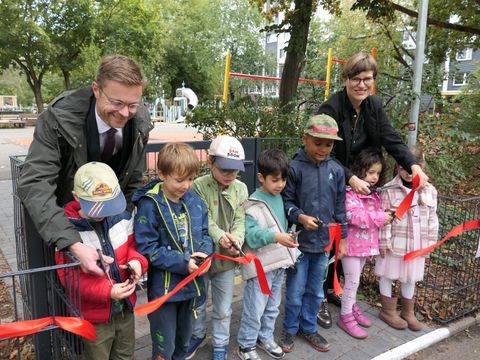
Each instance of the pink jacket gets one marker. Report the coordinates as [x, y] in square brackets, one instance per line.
[364, 217]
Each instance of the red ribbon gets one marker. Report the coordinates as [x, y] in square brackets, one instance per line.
[336, 233]
[455, 231]
[72, 324]
[407, 201]
[153, 305]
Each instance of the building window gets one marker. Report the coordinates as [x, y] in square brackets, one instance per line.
[460, 79]
[464, 55]
[283, 53]
[271, 38]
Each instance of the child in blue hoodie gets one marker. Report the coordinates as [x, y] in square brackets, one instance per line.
[171, 228]
[313, 197]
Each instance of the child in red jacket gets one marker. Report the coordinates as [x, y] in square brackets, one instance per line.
[98, 212]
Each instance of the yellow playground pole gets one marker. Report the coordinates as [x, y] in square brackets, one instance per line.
[329, 67]
[374, 87]
[226, 78]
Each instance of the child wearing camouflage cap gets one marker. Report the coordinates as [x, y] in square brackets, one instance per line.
[314, 195]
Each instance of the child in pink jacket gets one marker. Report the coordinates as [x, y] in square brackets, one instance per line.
[364, 217]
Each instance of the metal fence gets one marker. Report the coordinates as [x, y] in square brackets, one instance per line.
[451, 285]
[51, 342]
[36, 290]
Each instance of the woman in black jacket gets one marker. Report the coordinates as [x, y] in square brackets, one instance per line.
[362, 122]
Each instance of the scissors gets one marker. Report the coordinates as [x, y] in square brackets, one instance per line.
[237, 247]
[132, 274]
[320, 223]
[103, 266]
[200, 260]
[394, 212]
[379, 189]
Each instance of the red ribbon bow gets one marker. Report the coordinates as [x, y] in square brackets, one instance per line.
[153, 305]
[27, 327]
[407, 201]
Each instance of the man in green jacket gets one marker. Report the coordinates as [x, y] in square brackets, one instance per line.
[106, 122]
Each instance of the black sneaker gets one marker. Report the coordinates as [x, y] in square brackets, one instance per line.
[248, 353]
[324, 318]
[317, 341]
[287, 342]
[334, 299]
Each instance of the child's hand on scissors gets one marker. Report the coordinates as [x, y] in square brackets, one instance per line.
[286, 239]
[389, 216]
[310, 223]
[228, 241]
[136, 270]
[122, 290]
[197, 259]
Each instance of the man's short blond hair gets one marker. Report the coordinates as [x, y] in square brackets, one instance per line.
[121, 69]
[178, 158]
[358, 63]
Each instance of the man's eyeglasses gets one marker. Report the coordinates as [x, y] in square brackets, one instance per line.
[118, 105]
[367, 81]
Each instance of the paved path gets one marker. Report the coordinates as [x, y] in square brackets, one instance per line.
[381, 337]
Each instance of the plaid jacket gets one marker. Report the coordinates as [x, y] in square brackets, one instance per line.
[398, 236]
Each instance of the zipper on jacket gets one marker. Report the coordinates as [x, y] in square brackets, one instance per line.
[175, 241]
[167, 282]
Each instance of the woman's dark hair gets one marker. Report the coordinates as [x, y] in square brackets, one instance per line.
[359, 63]
[365, 159]
[273, 162]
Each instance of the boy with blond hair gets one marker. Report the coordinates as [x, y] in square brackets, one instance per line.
[171, 227]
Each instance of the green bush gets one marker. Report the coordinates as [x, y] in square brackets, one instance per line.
[248, 117]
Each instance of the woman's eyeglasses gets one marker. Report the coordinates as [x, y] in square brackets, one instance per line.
[367, 81]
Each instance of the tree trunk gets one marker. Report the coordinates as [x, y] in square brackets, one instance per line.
[300, 24]
[37, 91]
[66, 79]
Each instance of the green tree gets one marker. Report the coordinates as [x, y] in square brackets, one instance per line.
[194, 53]
[38, 36]
[24, 43]
[297, 17]
[12, 83]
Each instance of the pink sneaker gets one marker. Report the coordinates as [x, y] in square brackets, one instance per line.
[350, 326]
[362, 320]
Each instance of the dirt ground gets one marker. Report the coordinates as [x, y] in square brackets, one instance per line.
[9, 349]
[465, 345]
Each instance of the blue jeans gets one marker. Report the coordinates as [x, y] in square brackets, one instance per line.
[260, 311]
[304, 293]
[170, 329]
[222, 294]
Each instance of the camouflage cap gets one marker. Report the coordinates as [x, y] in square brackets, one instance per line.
[322, 126]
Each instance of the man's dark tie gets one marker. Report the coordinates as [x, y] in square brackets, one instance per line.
[109, 145]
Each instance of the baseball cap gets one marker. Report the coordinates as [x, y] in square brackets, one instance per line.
[228, 152]
[322, 126]
[98, 190]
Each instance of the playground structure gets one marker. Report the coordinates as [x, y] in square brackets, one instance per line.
[184, 101]
[326, 82]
